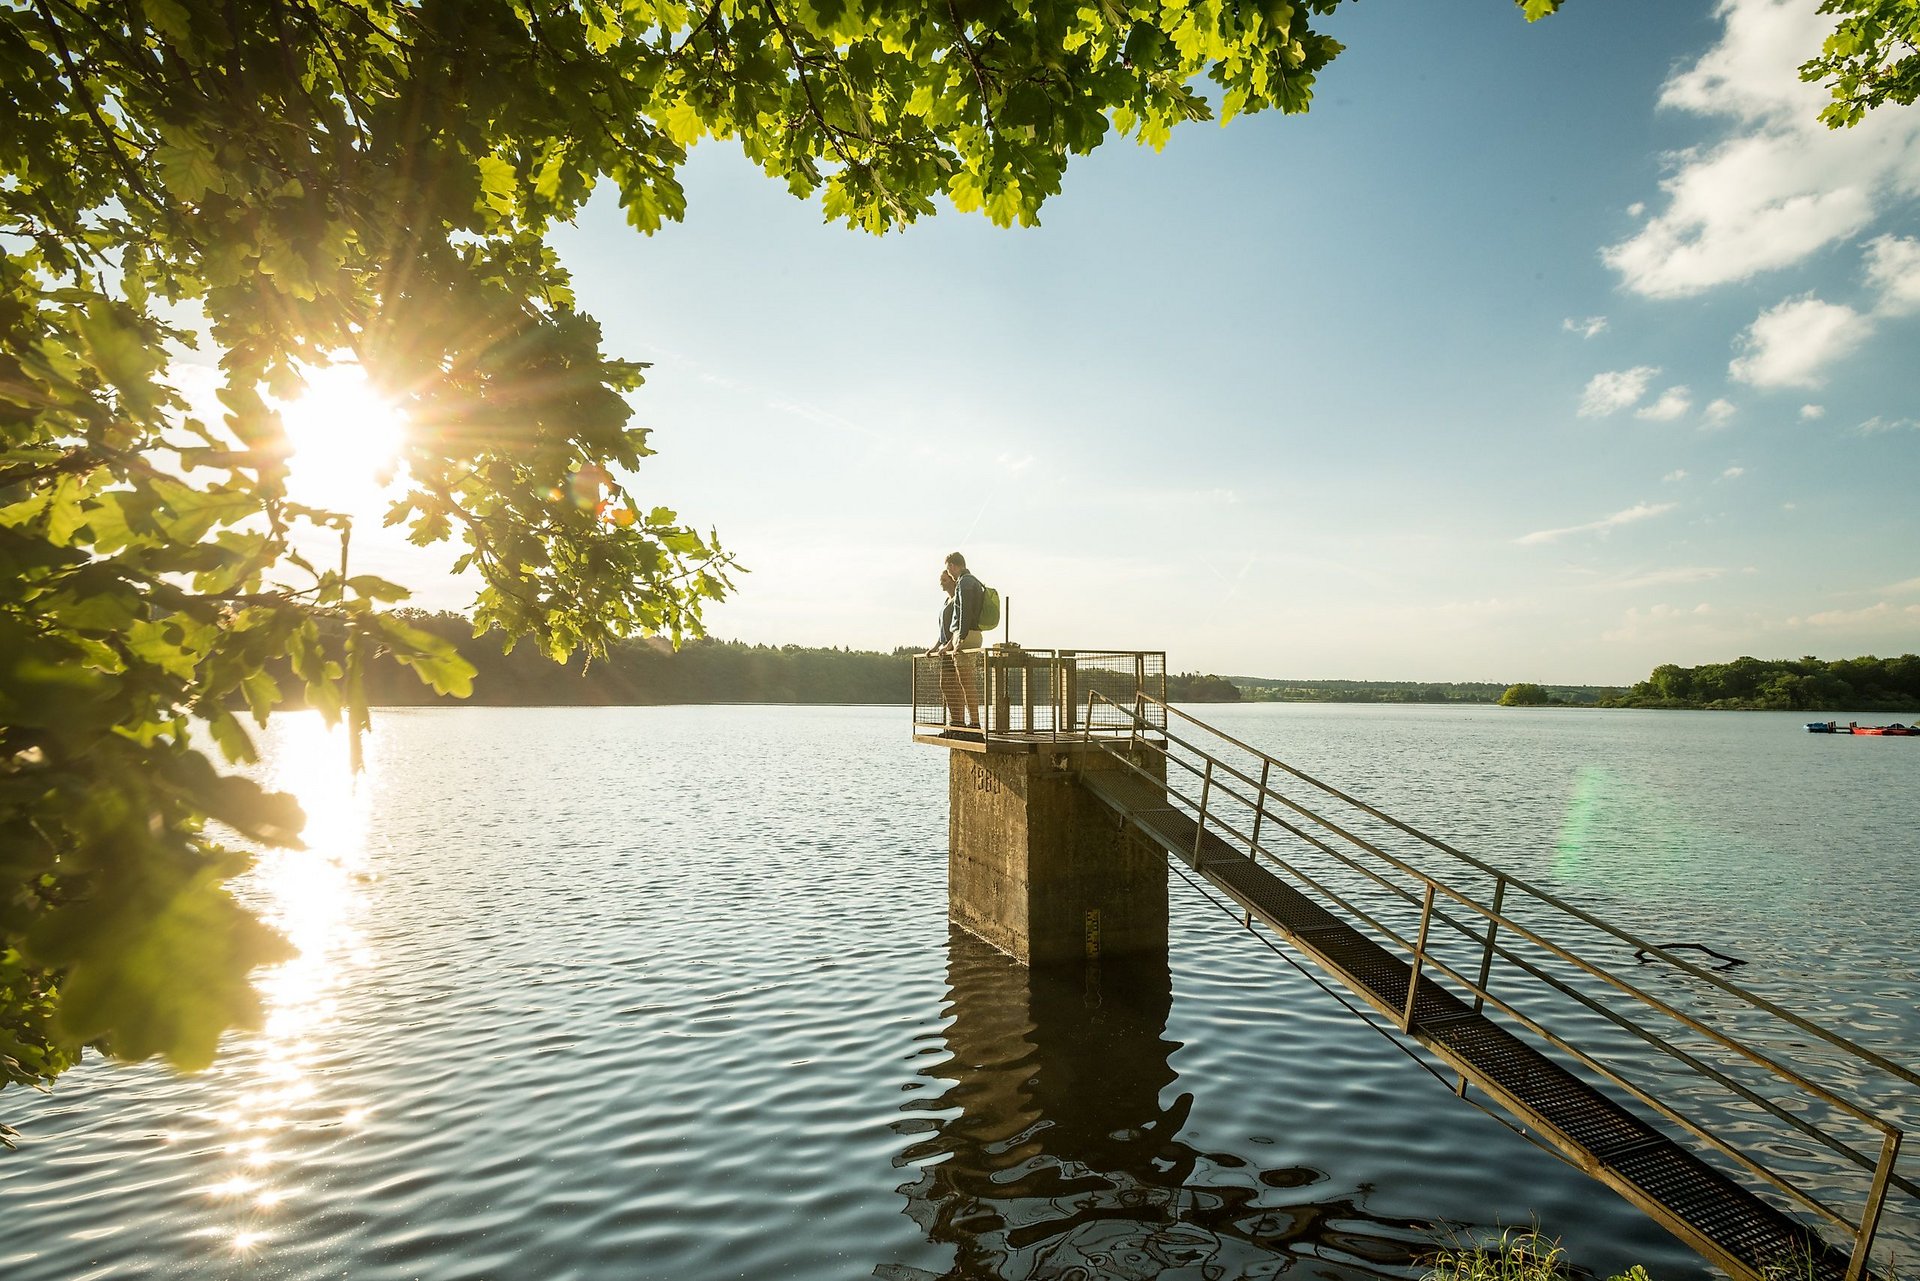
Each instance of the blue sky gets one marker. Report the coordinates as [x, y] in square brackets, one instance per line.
[1534, 352]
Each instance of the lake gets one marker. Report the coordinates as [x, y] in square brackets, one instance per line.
[670, 993]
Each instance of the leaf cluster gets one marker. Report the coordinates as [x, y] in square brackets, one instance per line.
[1872, 58]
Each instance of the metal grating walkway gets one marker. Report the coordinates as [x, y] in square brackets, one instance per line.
[1720, 1218]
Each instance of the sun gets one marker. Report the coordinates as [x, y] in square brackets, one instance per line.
[344, 439]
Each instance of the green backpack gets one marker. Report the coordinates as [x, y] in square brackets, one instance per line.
[989, 608]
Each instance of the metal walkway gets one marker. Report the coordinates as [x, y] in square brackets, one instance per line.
[1237, 817]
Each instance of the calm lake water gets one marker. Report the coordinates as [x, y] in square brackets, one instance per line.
[670, 993]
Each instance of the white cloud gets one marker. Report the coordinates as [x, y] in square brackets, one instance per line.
[1902, 587]
[1876, 425]
[1718, 412]
[1637, 208]
[1673, 403]
[1587, 327]
[1679, 473]
[1810, 412]
[1609, 393]
[1660, 621]
[1606, 524]
[1893, 271]
[1788, 344]
[1733, 473]
[1668, 577]
[1880, 613]
[1781, 185]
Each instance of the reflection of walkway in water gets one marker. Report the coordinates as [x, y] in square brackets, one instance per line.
[1050, 1155]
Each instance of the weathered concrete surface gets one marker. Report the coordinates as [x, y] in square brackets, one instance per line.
[1042, 870]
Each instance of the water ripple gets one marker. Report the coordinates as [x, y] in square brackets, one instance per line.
[670, 992]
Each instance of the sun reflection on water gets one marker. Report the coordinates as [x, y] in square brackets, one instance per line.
[285, 1101]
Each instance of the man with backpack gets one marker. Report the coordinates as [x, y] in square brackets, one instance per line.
[965, 627]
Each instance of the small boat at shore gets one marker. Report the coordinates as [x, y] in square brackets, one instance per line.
[1896, 730]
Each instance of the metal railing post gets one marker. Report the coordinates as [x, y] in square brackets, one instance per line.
[1876, 1200]
[1486, 957]
[1026, 693]
[1419, 960]
[1260, 806]
[1069, 691]
[1200, 825]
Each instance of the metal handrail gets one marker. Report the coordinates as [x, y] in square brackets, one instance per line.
[1480, 991]
[1752, 998]
[1884, 1175]
[1034, 695]
[1909, 1075]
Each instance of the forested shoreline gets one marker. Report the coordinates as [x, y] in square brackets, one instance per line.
[1808, 684]
[1259, 689]
[650, 672]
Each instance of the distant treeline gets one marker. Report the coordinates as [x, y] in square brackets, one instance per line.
[1259, 689]
[653, 672]
[648, 672]
[1866, 684]
[711, 671]
[1192, 687]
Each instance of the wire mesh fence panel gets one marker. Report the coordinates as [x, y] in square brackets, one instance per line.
[1040, 694]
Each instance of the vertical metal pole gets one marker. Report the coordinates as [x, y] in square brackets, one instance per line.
[1876, 1200]
[1419, 960]
[1026, 693]
[1200, 825]
[1486, 957]
[986, 689]
[1260, 807]
[1069, 687]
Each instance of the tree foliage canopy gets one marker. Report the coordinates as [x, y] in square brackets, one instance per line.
[1525, 694]
[291, 184]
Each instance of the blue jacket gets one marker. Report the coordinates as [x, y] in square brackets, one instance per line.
[965, 614]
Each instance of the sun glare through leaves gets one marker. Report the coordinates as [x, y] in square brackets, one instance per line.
[344, 439]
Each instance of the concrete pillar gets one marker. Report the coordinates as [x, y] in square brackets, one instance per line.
[1041, 869]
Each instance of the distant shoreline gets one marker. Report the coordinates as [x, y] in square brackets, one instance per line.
[644, 672]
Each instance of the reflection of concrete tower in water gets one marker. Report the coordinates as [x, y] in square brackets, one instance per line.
[1062, 1161]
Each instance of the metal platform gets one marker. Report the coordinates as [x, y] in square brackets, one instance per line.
[1030, 700]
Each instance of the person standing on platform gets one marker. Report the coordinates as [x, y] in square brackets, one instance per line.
[949, 687]
[965, 639]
